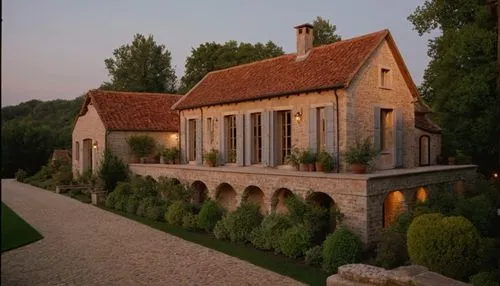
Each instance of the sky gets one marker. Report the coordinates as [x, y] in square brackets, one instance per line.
[56, 48]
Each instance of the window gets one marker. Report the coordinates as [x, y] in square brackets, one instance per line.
[321, 129]
[386, 130]
[77, 151]
[284, 135]
[256, 122]
[385, 78]
[424, 154]
[192, 140]
[210, 130]
[231, 138]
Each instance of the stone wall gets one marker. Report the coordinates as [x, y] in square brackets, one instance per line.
[435, 148]
[117, 142]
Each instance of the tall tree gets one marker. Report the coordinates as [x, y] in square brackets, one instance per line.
[324, 32]
[459, 81]
[213, 56]
[142, 66]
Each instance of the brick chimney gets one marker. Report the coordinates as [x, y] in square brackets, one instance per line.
[305, 38]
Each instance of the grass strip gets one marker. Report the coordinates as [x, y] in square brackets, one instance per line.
[15, 231]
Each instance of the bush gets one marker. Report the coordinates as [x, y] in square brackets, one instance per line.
[190, 222]
[172, 190]
[176, 212]
[145, 204]
[21, 175]
[132, 204]
[267, 235]
[74, 193]
[295, 241]
[141, 145]
[156, 212]
[341, 247]
[314, 256]
[112, 170]
[220, 230]
[391, 249]
[243, 221]
[481, 211]
[211, 212]
[448, 245]
[111, 200]
[485, 279]
[144, 187]
[122, 193]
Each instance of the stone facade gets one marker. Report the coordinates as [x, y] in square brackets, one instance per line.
[434, 148]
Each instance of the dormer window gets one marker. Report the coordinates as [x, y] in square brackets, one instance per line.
[385, 78]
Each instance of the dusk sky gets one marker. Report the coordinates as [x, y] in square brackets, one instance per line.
[56, 48]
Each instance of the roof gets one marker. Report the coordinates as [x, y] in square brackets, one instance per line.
[425, 124]
[326, 67]
[134, 111]
[421, 107]
[61, 155]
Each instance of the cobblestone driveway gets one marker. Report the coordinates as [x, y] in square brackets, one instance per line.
[84, 245]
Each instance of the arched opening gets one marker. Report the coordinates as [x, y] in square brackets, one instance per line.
[424, 150]
[254, 194]
[321, 199]
[393, 207]
[459, 187]
[421, 195]
[200, 192]
[324, 200]
[278, 200]
[87, 163]
[226, 196]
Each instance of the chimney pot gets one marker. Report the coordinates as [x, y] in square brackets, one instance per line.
[304, 34]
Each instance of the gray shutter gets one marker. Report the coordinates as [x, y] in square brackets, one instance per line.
[239, 140]
[222, 140]
[376, 128]
[183, 145]
[330, 130]
[248, 139]
[199, 143]
[273, 138]
[313, 129]
[399, 138]
[265, 138]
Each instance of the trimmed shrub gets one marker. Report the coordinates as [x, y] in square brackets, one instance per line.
[485, 279]
[220, 230]
[341, 247]
[144, 188]
[21, 175]
[132, 204]
[243, 221]
[172, 190]
[481, 212]
[74, 193]
[391, 249]
[267, 235]
[448, 245]
[112, 170]
[295, 241]
[156, 211]
[146, 204]
[111, 200]
[314, 256]
[211, 212]
[190, 222]
[176, 212]
[122, 192]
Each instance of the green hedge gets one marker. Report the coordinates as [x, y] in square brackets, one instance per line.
[243, 221]
[267, 235]
[211, 212]
[341, 247]
[295, 241]
[176, 212]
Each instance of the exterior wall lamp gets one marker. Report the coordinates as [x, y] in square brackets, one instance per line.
[298, 116]
[94, 145]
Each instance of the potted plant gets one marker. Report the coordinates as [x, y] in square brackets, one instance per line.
[141, 146]
[293, 158]
[306, 160]
[211, 157]
[232, 156]
[173, 155]
[162, 153]
[360, 155]
[325, 162]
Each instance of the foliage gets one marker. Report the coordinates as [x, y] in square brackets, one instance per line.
[391, 249]
[341, 247]
[172, 190]
[361, 153]
[295, 241]
[306, 156]
[211, 56]
[141, 145]
[243, 221]
[176, 212]
[122, 193]
[211, 212]
[112, 170]
[324, 32]
[267, 235]
[142, 66]
[220, 230]
[326, 159]
[132, 204]
[485, 279]
[156, 211]
[459, 81]
[314, 256]
[171, 155]
[144, 187]
[190, 221]
[448, 245]
[294, 157]
[481, 212]
[21, 175]
[111, 200]
[64, 175]
[211, 156]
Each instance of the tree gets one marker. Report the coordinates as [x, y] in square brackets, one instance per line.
[142, 66]
[212, 56]
[324, 32]
[459, 81]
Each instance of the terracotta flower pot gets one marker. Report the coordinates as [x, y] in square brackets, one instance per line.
[310, 167]
[211, 163]
[319, 167]
[358, 168]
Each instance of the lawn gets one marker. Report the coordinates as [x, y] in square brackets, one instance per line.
[265, 259]
[15, 231]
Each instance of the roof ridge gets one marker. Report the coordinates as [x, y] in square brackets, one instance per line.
[102, 91]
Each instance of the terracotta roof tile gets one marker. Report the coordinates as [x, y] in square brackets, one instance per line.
[134, 110]
[327, 66]
[425, 124]
[61, 155]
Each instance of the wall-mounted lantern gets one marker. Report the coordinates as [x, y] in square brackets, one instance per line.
[298, 116]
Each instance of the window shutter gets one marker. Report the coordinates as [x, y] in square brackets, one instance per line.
[376, 128]
[265, 138]
[248, 139]
[273, 137]
[239, 140]
[222, 140]
[183, 145]
[330, 129]
[313, 129]
[199, 143]
[399, 138]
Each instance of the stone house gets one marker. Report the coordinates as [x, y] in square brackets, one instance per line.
[318, 98]
[108, 118]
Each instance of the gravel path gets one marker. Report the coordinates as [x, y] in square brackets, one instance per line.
[84, 245]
